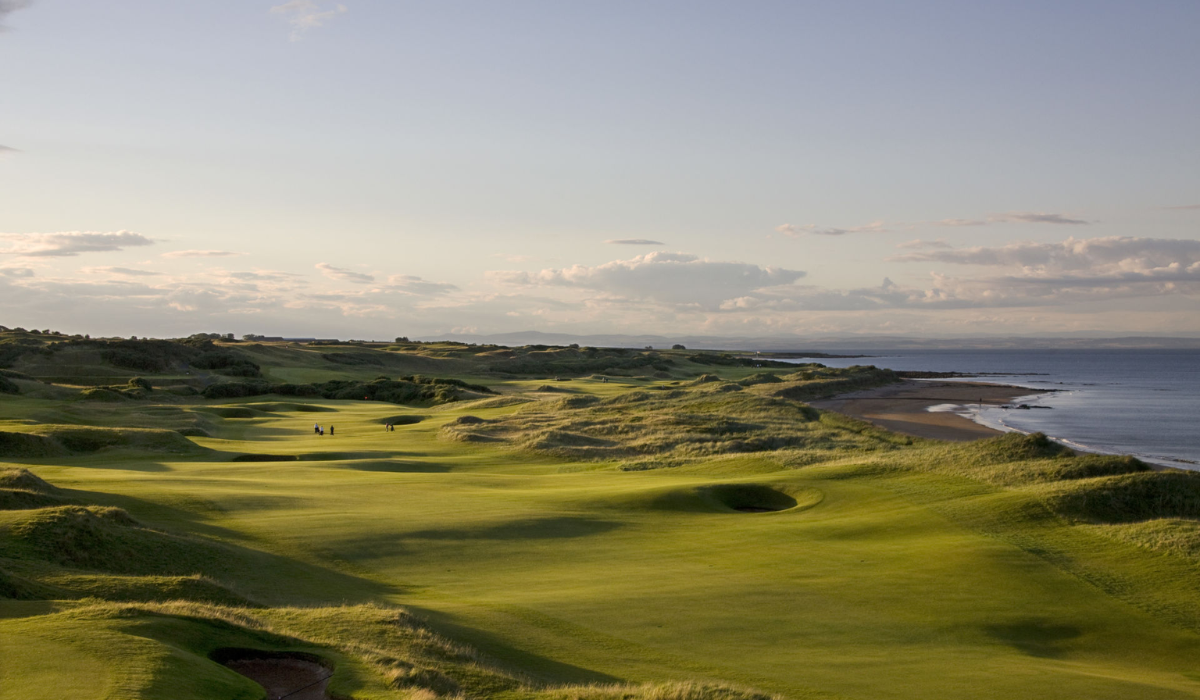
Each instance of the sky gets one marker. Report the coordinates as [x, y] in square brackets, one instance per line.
[371, 169]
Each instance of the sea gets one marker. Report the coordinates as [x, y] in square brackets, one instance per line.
[1140, 402]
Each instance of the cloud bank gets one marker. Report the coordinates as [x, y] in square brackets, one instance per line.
[813, 229]
[344, 275]
[200, 254]
[305, 15]
[123, 271]
[675, 278]
[1015, 217]
[1024, 286]
[70, 243]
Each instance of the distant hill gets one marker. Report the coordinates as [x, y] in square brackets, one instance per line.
[829, 344]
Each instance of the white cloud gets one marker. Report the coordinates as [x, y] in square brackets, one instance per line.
[70, 243]
[812, 229]
[200, 254]
[1074, 270]
[634, 241]
[415, 285]
[344, 275]
[1114, 284]
[1092, 256]
[962, 222]
[264, 276]
[1012, 217]
[122, 271]
[1028, 217]
[8, 7]
[304, 15]
[1186, 207]
[922, 244]
[673, 278]
[1015, 217]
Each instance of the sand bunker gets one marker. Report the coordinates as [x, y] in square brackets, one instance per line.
[264, 458]
[293, 676]
[757, 498]
[403, 419]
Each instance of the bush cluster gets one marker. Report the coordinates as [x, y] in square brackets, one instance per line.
[724, 359]
[548, 361]
[406, 389]
[136, 388]
[144, 355]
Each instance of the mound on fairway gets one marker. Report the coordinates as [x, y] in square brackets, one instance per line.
[668, 425]
[61, 440]
[27, 446]
[235, 411]
[25, 480]
[1130, 497]
[20, 489]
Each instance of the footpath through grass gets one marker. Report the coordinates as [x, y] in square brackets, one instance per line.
[573, 535]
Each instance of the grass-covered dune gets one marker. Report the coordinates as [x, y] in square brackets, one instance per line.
[607, 534]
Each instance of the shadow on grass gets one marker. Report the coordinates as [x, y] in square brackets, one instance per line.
[246, 567]
[503, 651]
[564, 527]
[1034, 637]
[397, 544]
[397, 467]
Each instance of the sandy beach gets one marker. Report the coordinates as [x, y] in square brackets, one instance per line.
[903, 407]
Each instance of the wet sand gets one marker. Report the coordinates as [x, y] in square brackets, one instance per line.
[295, 679]
[903, 407]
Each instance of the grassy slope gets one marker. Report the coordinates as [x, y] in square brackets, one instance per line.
[913, 572]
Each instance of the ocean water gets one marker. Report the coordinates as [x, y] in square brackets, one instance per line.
[1140, 402]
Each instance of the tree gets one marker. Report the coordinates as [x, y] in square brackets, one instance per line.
[677, 346]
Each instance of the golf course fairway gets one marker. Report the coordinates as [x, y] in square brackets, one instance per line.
[468, 556]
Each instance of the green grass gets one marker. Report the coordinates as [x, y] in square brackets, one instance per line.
[790, 551]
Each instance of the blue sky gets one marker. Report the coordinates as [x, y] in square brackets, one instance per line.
[371, 169]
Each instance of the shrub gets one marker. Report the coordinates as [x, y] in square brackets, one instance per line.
[101, 394]
[1131, 497]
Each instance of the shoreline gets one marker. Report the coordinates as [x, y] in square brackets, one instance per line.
[905, 407]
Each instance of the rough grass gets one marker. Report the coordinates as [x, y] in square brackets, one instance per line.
[664, 428]
[1127, 498]
[25, 480]
[60, 440]
[1173, 535]
[144, 588]
[20, 499]
[101, 539]
[27, 446]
